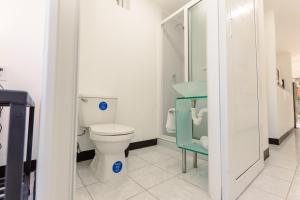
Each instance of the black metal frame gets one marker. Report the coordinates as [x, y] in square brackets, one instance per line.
[17, 173]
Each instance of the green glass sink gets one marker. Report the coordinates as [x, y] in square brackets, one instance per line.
[191, 89]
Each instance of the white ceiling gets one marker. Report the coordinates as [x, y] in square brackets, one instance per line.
[287, 13]
[170, 6]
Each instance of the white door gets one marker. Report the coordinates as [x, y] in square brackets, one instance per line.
[241, 148]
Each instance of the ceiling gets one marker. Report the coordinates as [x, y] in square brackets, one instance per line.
[287, 21]
[287, 14]
[170, 6]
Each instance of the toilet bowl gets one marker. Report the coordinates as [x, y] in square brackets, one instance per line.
[111, 140]
[97, 115]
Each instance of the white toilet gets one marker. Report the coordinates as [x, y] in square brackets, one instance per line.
[98, 114]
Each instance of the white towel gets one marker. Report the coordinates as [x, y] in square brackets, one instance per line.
[204, 141]
[171, 124]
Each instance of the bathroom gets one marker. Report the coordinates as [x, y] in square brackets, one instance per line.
[157, 103]
[142, 99]
[132, 63]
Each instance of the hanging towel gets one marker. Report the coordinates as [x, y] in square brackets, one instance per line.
[171, 125]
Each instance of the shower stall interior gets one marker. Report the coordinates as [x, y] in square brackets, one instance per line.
[183, 60]
[172, 64]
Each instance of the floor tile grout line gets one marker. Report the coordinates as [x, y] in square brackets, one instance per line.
[148, 189]
[137, 183]
[82, 185]
[282, 167]
[261, 175]
[290, 182]
[89, 194]
[135, 195]
[276, 195]
[153, 164]
[191, 183]
[156, 149]
[147, 163]
[77, 174]
[172, 176]
[164, 181]
[145, 189]
[281, 179]
[175, 174]
[153, 195]
[287, 196]
[88, 185]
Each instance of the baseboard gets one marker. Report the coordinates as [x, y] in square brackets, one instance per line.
[88, 155]
[85, 155]
[142, 144]
[2, 168]
[266, 154]
[276, 141]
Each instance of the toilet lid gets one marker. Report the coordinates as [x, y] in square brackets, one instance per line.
[111, 129]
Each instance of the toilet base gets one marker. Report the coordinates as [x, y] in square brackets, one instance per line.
[107, 167]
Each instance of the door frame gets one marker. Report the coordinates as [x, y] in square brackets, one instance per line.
[233, 189]
[57, 154]
[57, 151]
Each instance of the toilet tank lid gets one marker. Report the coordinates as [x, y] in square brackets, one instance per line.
[96, 96]
[111, 129]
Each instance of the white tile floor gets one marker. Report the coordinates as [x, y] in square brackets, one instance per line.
[280, 180]
[154, 173]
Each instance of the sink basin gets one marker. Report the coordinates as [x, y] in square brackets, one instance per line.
[192, 89]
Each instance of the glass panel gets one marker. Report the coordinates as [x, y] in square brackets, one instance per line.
[197, 42]
[192, 89]
[197, 39]
[172, 65]
[185, 126]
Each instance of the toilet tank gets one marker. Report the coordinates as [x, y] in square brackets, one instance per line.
[96, 110]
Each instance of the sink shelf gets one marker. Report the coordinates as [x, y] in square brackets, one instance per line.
[187, 133]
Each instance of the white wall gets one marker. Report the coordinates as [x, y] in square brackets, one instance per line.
[119, 57]
[285, 96]
[55, 170]
[296, 66]
[270, 42]
[22, 46]
[280, 100]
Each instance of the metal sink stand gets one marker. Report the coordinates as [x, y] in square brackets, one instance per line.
[16, 183]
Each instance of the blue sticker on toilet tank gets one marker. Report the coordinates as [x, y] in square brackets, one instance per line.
[117, 167]
[103, 105]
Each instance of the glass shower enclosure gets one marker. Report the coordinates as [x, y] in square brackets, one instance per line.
[184, 60]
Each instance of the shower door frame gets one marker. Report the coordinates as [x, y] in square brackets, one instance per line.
[213, 88]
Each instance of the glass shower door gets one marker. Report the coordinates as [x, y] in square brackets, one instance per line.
[197, 42]
[197, 55]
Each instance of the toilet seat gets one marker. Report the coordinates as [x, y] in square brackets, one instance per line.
[111, 129]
